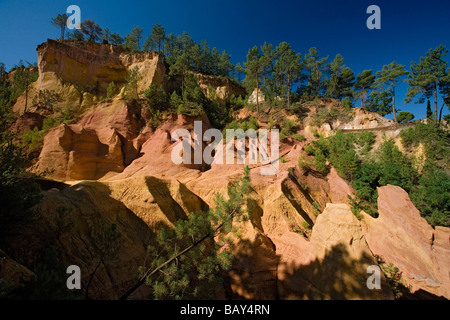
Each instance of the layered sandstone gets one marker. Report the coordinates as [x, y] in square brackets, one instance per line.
[402, 237]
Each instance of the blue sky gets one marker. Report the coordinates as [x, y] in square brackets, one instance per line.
[409, 28]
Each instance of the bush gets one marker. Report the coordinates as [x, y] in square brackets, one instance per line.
[365, 140]
[111, 90]
[175, 100]
[320, 162]
[408, 137]
[33, 139]
[289, 127]
[190, 109]
[156, 96]
[298, 137]
[270, 123]
[303, 163]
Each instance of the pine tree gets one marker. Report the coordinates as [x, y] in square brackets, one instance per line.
[388, 78]
[335, 69]
[253, 71]
[116, 39]
[132, 40]
[106, 36]
[60, 22]
[426, 77]
[187, 261]
[158, 37]
[379, 102]
[91, 30]
[287, 68]
[267, 65]
[429, 112]
[316, 67]
[22, 80]
[364, 82]
[76, 35]
[107, 245]
[131, 88]
[111, 90]
[405, 116]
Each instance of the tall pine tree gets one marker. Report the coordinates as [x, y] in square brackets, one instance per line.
[425, 79]
[388, 78]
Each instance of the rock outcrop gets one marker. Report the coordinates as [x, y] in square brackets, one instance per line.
[402, 237]
[75, 74]
[223, 88]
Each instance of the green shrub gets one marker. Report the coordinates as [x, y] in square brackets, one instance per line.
[253, 123]
[111, 90]
[320, 162]
[270, 123]
[303, 163]
[305, 225]
[298, 137]
[175, 100]
[156, 96]
[289, 127]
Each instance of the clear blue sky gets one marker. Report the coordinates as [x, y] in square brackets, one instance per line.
[409, 28]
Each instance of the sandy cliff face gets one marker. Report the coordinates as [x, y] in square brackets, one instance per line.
[277, 256]
[75, 74]
[302, 241]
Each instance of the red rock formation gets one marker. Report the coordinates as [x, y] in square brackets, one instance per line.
[27, 121]
[402, 237]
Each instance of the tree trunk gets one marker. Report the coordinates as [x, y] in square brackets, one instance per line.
[440, 115]
[289, 91]
[92, 277]
[149, 274]
[435, 105]
[393, 103]
[257, 95]
[26, 99]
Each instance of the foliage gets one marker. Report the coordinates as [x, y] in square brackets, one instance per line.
[155, 41]
[22, 80]
[404, 117]
[48, 281]
[320, 162]
[18, 190]
[92, 30]
[428, 77]
[379, 102]
[298, 137]
[305, 225]
[341, 79]
[111, 90]
[131, 88]
[187, 260]
[394, 278]
[33, 139]
[156, 96]
[60, 22]
[364, 83]
[388, 78]
[132, 40]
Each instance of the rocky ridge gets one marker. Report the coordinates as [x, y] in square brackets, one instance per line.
[138, 188]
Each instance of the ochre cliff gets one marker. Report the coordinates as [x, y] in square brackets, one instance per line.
[302, 240]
